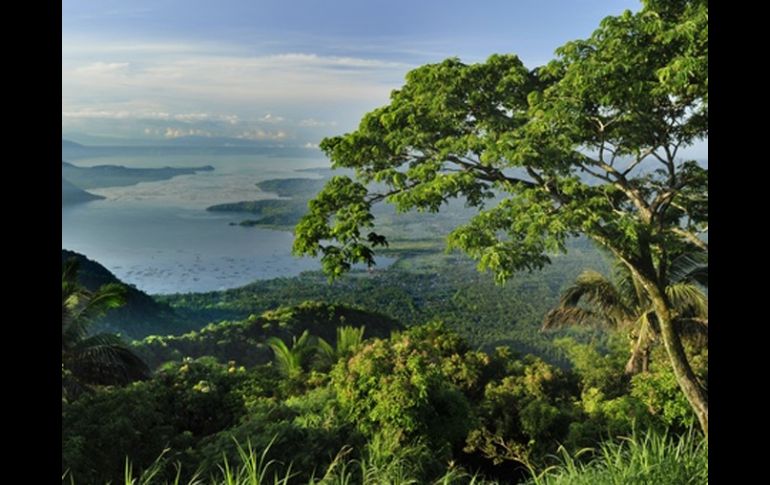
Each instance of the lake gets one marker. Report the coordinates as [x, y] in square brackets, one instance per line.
[158, 235]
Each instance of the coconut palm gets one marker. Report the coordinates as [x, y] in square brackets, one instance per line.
[348, 340]
[291, 360]
[87, 360]
[622, 304]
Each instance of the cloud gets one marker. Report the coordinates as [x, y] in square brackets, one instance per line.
[313, 123]
[180, 78]
[141, 115]
[314, 60]
[258, 134]
[178, 133]
[103, 68]
[221, 90]
[270, 118]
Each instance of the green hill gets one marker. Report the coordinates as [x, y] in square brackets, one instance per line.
[244, 341]
[140, 316]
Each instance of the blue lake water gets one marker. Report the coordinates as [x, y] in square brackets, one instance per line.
[159, 237]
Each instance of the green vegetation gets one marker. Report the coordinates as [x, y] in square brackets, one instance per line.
[584, 145]
[138, 316]
[422, 285]
[88, 360]
[647, 460]
[651, 459]
[406, 405]
[245, 341]
[625, 305]
[430, 371]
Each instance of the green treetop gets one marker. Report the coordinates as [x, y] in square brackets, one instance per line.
[587, 144]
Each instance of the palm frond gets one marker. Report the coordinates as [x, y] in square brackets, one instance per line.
[592, 288]
[69, 271]
[349, 339]
[691, 267]
[107, 297]
[326, 355]
[631, 292]
[688, 300]
[104, 359]
[562, 317]
[100, 359]
[288, 360]
[647, 323]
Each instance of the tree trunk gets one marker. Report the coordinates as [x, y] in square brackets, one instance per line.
[640, 353]
[685, 377]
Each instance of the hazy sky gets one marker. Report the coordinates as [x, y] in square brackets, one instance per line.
[282, 71]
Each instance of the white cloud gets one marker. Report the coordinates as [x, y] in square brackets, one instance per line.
[313, 123]
[258, 134]
[308, 60]
[103, 68]
[177, 133]
[184, 78]
[89, 113]
[219, 89]
[139, 114]
[270, 118]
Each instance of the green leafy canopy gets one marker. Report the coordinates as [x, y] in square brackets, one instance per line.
[586, 144]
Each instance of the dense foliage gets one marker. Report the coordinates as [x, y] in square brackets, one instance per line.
[417, 288]
[137, 316]
[89, 359]
[244, 341]
[429, 371]
[422, 395]
[587, 144]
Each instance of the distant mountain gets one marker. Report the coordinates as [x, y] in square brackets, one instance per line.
[139, 317]
[66, 144]
[119, 176]
[71, 194]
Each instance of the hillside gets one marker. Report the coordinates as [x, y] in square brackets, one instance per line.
[140, 316]
[418, 288]
[68, 144]
[244, 341]
[71, 194]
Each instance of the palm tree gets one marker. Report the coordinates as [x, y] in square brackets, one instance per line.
[348, 340]
[593, 300]
[290, 361]
[101, 359]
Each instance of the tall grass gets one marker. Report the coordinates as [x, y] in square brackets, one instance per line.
[647, 459]
[650, 459]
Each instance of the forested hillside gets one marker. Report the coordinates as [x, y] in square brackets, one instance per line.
[512, 283]
[140, 315]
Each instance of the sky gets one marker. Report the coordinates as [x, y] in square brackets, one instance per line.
[281, 72]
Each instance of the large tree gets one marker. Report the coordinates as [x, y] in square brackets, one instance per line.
[588, 144]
